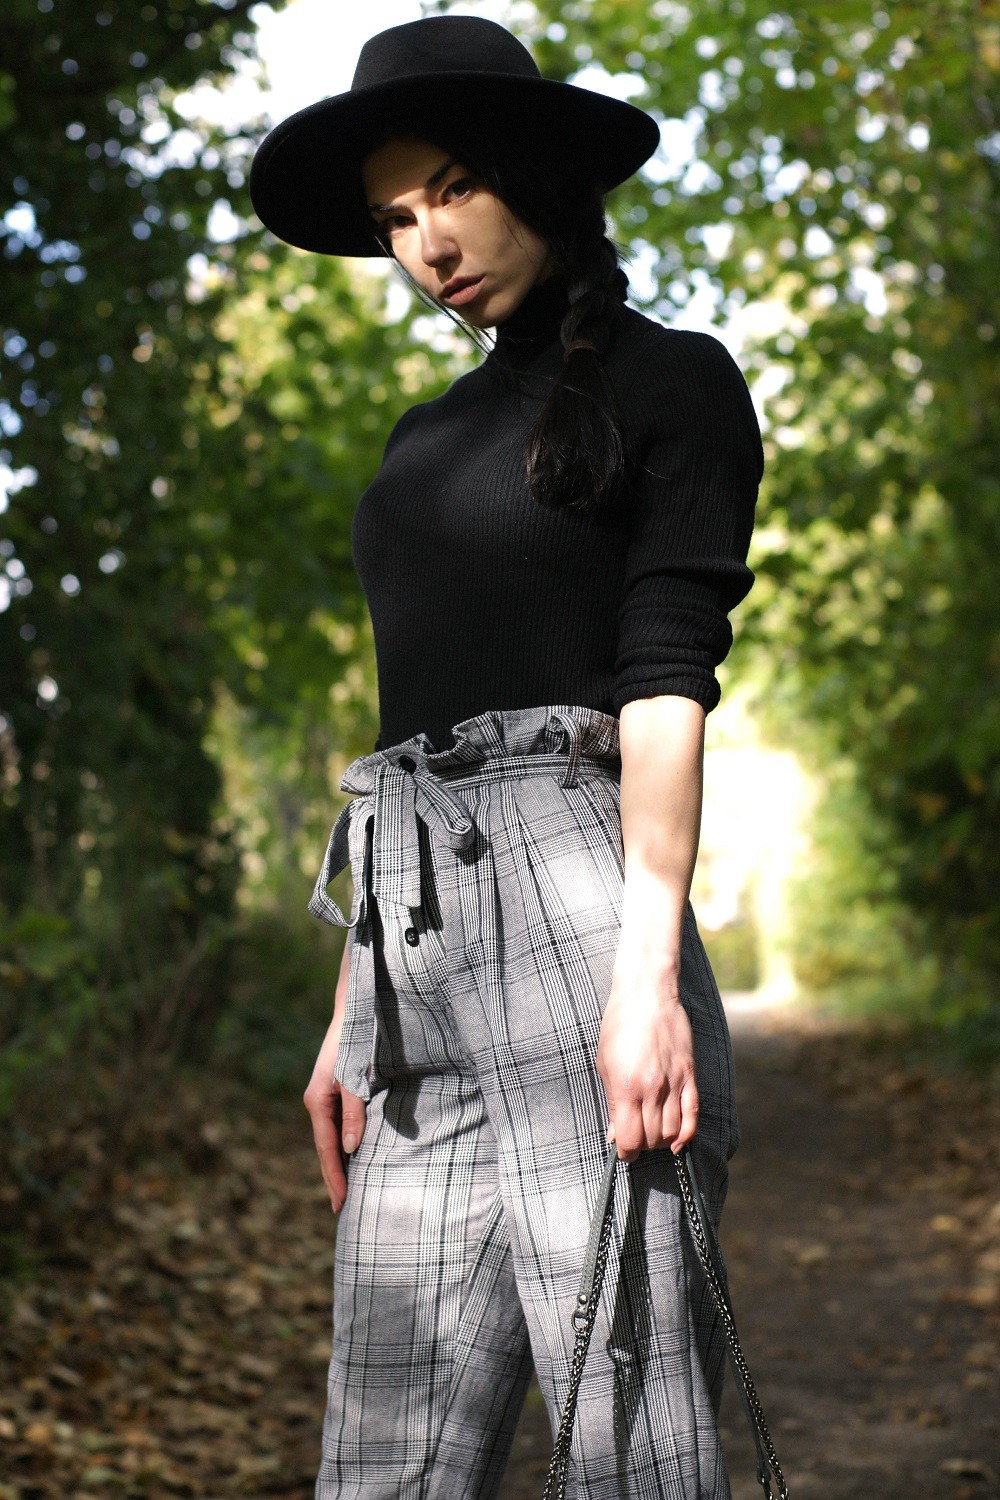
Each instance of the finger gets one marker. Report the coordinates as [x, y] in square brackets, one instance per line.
[354, 1115]
[325, 1117]
[331, 1161]
[609, 1099]
[653, 1116]
[688, 1125]
[630, 1133]
[330, 1152]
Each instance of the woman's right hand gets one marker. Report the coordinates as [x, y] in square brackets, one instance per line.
[338, 1118]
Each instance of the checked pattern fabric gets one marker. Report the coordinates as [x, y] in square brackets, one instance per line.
[488, 885]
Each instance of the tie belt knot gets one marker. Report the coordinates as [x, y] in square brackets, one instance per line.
[393, 791]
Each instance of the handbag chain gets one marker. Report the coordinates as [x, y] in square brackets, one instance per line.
[585, 1315]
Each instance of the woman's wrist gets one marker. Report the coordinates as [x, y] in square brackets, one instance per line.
[652, 923]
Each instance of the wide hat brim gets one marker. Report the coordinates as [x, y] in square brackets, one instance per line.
[305, 182]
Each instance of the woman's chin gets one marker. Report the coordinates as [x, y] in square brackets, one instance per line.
[476, 317]
[489, 311]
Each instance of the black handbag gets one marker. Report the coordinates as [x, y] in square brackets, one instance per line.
[585, 1314]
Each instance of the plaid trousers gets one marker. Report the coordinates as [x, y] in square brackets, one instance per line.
[488, 889]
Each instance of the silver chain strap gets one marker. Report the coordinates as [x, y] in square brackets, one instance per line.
[585, 1315]
[710, 1256]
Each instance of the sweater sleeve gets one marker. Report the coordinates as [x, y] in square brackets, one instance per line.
[700, 463]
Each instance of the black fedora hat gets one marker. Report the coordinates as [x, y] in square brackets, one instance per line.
[305, 182]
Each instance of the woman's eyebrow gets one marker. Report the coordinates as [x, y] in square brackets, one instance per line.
[432, 181]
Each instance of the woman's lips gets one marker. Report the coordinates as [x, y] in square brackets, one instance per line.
[465, 293]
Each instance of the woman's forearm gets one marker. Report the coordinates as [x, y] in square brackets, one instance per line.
[662, 750]
[340, 994]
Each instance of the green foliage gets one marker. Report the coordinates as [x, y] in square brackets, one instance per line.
[185, 660]
[854, 937]
[44, 963]
[846, 171]
[189, 421]
[109, 799]
[734, 953]
[312, 381]
[863, 951]
[280, 1001]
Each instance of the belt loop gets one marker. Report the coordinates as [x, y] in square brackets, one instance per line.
[573, 730]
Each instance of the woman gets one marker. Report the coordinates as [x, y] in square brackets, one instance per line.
[549, 553]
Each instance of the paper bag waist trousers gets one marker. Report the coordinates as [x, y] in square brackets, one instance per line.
[488, 890]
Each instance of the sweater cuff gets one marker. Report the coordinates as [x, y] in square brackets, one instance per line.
[702, 686]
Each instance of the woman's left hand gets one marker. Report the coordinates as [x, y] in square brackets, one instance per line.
[645, 1059]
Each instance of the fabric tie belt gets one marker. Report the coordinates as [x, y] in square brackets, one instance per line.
[395, 788]
[396, 791]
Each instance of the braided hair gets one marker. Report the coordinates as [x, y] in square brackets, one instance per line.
[575, 451]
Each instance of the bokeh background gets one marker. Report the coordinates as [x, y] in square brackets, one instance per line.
[188, 413]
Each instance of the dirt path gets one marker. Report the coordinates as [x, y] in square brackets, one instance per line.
[178, 1348]
[862, 1236]
[863, 1273]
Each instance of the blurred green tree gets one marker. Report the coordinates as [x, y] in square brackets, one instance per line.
[189, 412]
[187, 415]
[831, 174]
[109, 797]
[293, 424]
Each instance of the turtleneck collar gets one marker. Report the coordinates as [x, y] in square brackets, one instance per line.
[534, 323]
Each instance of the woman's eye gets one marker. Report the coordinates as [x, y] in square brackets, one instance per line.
[458, 187]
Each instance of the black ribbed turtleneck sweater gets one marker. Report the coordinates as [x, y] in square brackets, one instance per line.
[480, 598]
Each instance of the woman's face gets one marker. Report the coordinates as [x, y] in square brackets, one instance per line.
[451, 233]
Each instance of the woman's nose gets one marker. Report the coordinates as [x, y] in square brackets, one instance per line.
[436, 244]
